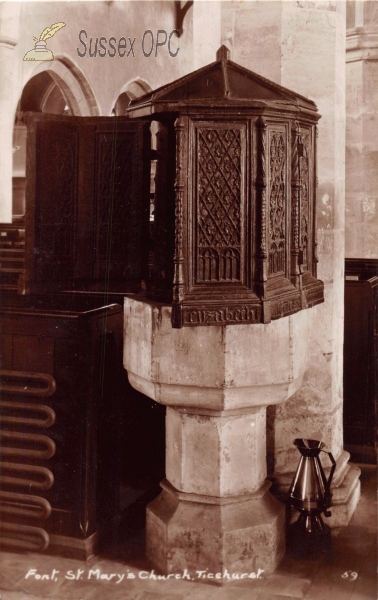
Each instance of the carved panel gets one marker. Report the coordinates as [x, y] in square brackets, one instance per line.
[87, 202]
[314, 185]
[277, 200]
[219, 206]
[178, 289]
[121, 204]
[167, 228]
[56, 233]
[224, 315]
[115, 169]
[261, 187]
[295, 206]
[305, 198]
[283, 308]
[51, 254]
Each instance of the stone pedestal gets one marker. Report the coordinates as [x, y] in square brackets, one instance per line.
[215, 511]
[216, 454]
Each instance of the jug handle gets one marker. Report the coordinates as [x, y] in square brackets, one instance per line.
[328, 491]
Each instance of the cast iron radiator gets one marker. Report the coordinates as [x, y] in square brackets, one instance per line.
[25, 456]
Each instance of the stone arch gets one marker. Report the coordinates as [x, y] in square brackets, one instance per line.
[61, 79]
[132, 89]
[136, 88]
[73, 84]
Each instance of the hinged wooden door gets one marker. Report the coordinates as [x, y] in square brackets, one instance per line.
[87, 203]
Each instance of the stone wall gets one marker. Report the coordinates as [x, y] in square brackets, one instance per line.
[362, 131]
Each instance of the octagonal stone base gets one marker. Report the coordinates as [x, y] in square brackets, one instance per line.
[234, 535]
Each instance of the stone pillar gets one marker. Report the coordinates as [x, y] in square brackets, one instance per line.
[206, 25]
[215, 511]
[361, 216]
[9, 23]
[301, 45]
[316, 410]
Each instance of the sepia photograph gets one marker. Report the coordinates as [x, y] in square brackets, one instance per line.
[188, 299]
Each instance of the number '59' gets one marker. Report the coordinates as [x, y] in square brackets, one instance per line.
[351, 575]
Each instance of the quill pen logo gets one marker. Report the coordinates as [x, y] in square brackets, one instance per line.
[40, 51]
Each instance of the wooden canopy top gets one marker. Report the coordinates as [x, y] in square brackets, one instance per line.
[222, 83]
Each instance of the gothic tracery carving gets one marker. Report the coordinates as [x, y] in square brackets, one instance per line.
[219, 190]
[277, 215]
[179, 197]
[304, 193]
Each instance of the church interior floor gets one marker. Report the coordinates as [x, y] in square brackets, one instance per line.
[347, 572]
